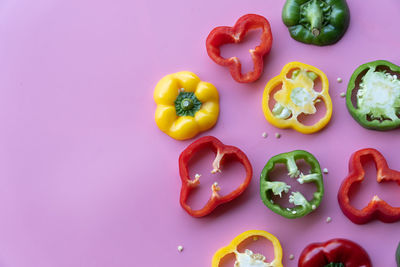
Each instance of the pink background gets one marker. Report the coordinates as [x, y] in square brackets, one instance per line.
[87, 178]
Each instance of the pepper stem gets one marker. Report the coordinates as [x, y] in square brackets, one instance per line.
[315, 16]
[187, 104]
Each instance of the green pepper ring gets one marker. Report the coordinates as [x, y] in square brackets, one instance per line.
[284, 158]
[384, 125]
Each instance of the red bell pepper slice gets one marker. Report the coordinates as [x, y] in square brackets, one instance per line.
[226, 35]
[335, 252]
[376, 208]
[222, 152]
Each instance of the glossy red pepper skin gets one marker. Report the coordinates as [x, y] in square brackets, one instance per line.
[376, 208]
[227, 35]
[222, 153]
[336, 250]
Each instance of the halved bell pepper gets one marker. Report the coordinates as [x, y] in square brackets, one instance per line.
[373, 95]
[225, 35]
[318, 22]
[398, 255]
[248, 258]
[269, 188]
[334, 253]
[376, 208]
[186, 106]
[222, 152]
[297, 96]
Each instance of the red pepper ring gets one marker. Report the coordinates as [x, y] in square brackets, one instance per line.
[376, 208]
[227, 35]
[336, 253]
[221, 152]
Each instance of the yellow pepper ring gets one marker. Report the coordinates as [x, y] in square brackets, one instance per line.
[232, 247]
[186, 106]
[296, 97]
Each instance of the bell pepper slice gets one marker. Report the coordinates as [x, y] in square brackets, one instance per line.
[317, 22]
[373, 95]
[376, 208]
[297, 96]
[248, 258]
[334, 253]
[222, 152]
[225, 35]
[269, 188]
[398, 255]
[186, 106]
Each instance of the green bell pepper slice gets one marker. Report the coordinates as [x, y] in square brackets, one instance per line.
[318, 22]
[398, 255]
[269, 188]
[373, 95]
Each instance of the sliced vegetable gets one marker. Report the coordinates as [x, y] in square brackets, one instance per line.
[248, 258]
[225, 35]
[398, 255]
[373, 95]
[186, 106]
[297, 96]
[223, 153]
[376, 208]
[334, 253]
[318, 22]
[270, 188]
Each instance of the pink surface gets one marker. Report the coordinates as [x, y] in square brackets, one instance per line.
[87, 178]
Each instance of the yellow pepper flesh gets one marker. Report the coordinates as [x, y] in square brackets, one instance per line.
[185, 127]
[232, 248]
[297, 96]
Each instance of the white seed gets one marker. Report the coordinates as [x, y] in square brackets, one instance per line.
[278, 135]
[264, 135]
[294, 212]
[180, 248]
[215, 184]
[328, 219]
[325, 170]
[339, 80]
[197, 176]
[342, 94]
[291, 257]
[313, 207]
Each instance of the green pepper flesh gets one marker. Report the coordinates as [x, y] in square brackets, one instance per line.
[301, 205]
[318, 22]
[373, 95]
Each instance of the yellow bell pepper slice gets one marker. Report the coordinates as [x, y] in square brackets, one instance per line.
[248, 257]
[297, 96]
[186, 106]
